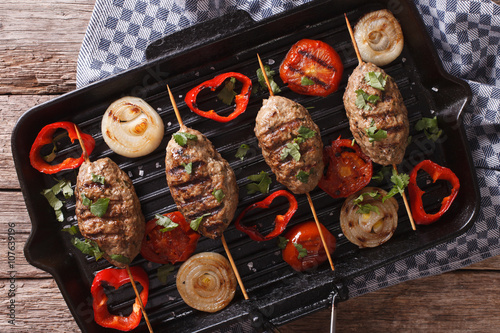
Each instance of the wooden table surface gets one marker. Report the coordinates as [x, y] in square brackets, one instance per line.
[39, 44]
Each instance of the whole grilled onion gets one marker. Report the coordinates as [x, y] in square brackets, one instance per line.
[369, 229]
[206, 282]
[379, 37]
[131, 127]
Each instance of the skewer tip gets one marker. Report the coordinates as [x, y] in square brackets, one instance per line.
[176, 110]
[407, 206]
[85, 154]
[141, 305]
[265, 76]
[358, 55]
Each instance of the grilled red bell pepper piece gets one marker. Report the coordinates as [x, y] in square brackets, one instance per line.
[45, 137]
[280, 222]
[117, 277]
[436, 172]
[241, 99]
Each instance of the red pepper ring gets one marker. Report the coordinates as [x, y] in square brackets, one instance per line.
[117, 277]
[436, 172]
[241, 99]
[280, 222]
[45, 137]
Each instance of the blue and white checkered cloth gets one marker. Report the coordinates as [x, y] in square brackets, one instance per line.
[466, 35]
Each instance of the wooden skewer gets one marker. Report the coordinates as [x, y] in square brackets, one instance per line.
[407, 206]
[226, 248]
[132, 281]
[265, 76]
[308, 195]
[408, 211]
[353, 39]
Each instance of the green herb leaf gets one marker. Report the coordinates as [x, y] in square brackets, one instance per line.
[98, 179]
[367, 208]
[376, 80]
[218, 194]
[400, 181]
[305, 81]
[362, 97]
[375, 134]
[120, 258]
[430, 128]
[188, 167]
[50, 157]
[164, 221]
[242, 151]
[195, 224]
[73, 230]
[85, 201]
[292, 149]
[227, 94]
[54, 202]
[303, 176]
[301, 249]
[261, 183]
[361, 197]
[164, 271]
[270, 76]
[282, 242]
[99, 207]
[182, 138]
[88, 247]
[383, 172]
[306, 133]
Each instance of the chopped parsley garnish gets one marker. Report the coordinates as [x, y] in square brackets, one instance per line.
[301, 249]
[306, 133]
[375, 134]
[270, 76]
[85, 201]
[195, 224]
[305, 81]
[88, 247]
[400, 181]
[383, 172]
[303, 176]
[188, 167]
[261, 183]
[98, 179]
[282, 242]
[99, 207]
[182, 138]
[242, 151]
[218, 194]
[362, 98]
[120, 258]
[50, 194]
[366, 208]
[376, 80]
[164, 271]
[292, 149]
[227, 94]
[430, 128]
[73, 230]
[165, 222]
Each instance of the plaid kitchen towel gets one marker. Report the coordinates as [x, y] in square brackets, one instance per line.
[466, 35]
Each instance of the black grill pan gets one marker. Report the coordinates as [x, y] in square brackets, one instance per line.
[192, 56]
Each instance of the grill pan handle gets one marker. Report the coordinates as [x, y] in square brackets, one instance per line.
[200, 34]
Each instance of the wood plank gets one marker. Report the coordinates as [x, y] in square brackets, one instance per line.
[11, 108]
[40, 44]
[452, 302]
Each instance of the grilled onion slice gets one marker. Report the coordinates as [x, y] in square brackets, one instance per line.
[206, 282]
[131, 127]
[379, 37]
[369, 229]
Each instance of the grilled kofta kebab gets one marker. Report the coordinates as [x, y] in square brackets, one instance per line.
[295, 158]
[119, 229]
[201, 182]
[387, 113]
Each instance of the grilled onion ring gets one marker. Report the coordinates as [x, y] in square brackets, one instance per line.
[379, 37]
[131, 127]
[206, 282]
[369, 230]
